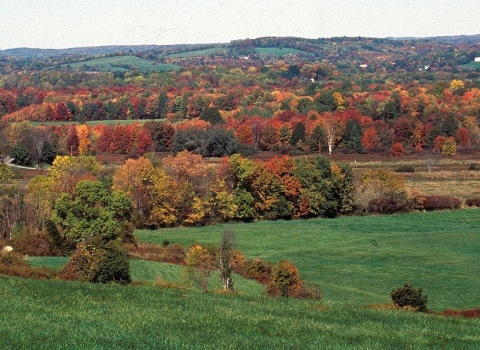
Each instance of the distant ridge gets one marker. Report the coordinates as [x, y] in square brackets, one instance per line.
[449, 39]
[26, 52]
[82, 51]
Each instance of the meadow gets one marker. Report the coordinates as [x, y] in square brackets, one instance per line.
[199, 53]
[356, 261]
[59, 315]
[121, 64]
[278, 51]
[359, 260]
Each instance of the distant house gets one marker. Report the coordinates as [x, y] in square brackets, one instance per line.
[477, 59]
[363, 66]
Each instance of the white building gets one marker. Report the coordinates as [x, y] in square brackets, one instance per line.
[477, 59]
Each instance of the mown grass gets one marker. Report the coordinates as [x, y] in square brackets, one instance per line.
[359, 260]
[58, 315]
[121, 64]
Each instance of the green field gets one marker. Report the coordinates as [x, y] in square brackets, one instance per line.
[355, 260]
[59, 315]
[359, 260]
[470, 65]
[121, 64]
[277, 51]
[199, 53]
[148, 271]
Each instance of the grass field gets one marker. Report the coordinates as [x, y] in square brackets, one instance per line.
[58, 315]
[199, 53]
[359, 260]
[277, 51]
[470, 66]
[148, 271]
[121, 64]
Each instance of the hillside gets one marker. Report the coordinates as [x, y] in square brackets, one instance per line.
[409, 53]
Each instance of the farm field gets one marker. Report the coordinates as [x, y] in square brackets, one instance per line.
[121, 64]
[359, 260]
[58, 315]
[277, 51]
[198, 53]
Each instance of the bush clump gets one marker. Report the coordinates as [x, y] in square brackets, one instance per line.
[405, 169]
[472, 202]
[384, 206]
[407, 296]
[440, 203]
[285, 280]
[257, 269]
[39, 244]
[474, 167]
[99, 262]
[15, 264]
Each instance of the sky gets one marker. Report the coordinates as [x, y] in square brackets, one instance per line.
[78, 23]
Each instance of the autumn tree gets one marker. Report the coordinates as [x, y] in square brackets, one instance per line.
[463, 137]
[93, 211]
[161, 134]
[328, 187]
[200, 261]
[73, 141]
[382, 183]
[332, 128]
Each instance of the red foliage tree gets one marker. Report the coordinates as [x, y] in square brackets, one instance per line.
[463, 137]
[396, 150]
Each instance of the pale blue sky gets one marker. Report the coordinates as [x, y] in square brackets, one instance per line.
[70, 23]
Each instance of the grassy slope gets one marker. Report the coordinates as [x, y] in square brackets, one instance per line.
[360, 259]
[112, 63]
[155, 272]
[54, 315]
[199, 53]
[276, 51]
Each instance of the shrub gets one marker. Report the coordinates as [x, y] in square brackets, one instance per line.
[405, 169]
[285, 280]
[98, 262]
[474, 167]
[259, 270]
[472, 202]
[384, 206]
[441, 202]
[13, 258]
[16, 264]
[407, 296]
[34, 245]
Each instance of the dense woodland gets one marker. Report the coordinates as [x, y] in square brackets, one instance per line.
[187, 130]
